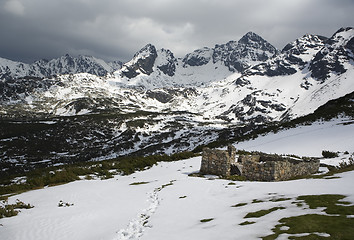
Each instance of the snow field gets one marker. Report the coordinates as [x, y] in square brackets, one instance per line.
[335, 135]
[114, 209]
[164, 202]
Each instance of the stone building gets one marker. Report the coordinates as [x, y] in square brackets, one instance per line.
[218, 162]
[255, 167]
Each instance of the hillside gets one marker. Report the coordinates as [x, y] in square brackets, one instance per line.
[164, 201]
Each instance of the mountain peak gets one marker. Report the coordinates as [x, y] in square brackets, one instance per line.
[344, 29]
[148, 49]
[332, 57]
[251, 37]
[304, 43]
[142, 62]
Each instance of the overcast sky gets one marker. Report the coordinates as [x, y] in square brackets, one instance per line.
[116, 29]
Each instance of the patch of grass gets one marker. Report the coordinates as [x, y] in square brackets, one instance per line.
[206, 220]
[182, 197]
[9, 210]
[88, 177]
[257, 201]
[166, 185]
[196, 175]
[262, 213]
[329, 154]
[50, 176]
[235, 178]
[338, 225]
[138, 183]
[231, 183]
[298, 204]
[280, 199]
[330, 202]
[239, 205]
[64, 204]
[246, 223]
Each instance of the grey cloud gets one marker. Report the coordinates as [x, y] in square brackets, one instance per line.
[116, 29]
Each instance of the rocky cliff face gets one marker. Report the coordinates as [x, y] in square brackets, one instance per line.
[294, 56]
[335, 57]
[142, 62]
[151, 67]
[236, 55]
[148, 60]
[250, 50]
[198, 57]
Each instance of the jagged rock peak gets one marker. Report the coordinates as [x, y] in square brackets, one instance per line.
[254, 40]
[147, 50]
[198, 57]
[236, 55]
[295, 55]
[304, 43]
[341, 37]
[331, 59]
[250, 37]
[166, 62]
[142, 62]
[343, 29]
[251, 49]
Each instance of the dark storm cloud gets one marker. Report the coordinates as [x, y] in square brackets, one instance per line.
[116, 29]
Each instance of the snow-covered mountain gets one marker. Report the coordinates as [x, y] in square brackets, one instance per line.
[307, 72]
[63, 65]
[157, 103]
[152, 68]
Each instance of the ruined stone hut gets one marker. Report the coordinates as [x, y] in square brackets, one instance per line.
[255, 167]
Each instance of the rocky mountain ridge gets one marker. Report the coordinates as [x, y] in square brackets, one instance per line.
[157, 103]
[301, 68]
[197, 68]
[62, 65]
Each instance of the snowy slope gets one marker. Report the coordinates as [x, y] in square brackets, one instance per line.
[335, 135]
[170, 204]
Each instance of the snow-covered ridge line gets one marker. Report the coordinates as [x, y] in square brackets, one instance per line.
[62, 65]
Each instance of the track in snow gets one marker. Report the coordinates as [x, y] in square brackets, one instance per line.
[135, 228]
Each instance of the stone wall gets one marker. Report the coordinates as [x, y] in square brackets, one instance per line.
[254, 158]
[255, 167]
[218, 162]
[278, 170]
